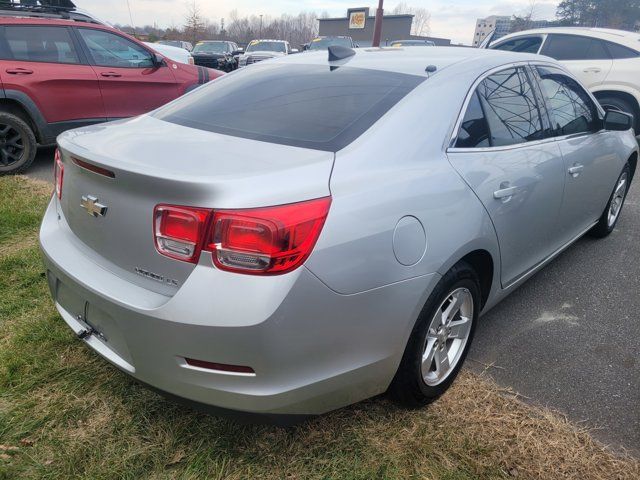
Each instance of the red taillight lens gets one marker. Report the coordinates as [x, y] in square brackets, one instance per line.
[179, 231]
[258, 241]
[58, 172]
[268, 240]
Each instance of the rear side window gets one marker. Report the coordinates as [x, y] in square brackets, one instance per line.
[571, 110]
[111, 50]
[510, 108]
[309, 106]
[523, 45]
[474, 131]
[618, 51]
[38, 44]
[575, 47]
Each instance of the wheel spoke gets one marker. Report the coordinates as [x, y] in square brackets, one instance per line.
[427, 356]
[459, 328]
[5, 130]
[442, 362]
[452, 308]
[621, 187]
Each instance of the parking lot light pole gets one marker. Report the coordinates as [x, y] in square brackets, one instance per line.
[377, 28]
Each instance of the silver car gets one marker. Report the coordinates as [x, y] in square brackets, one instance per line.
[304, 234]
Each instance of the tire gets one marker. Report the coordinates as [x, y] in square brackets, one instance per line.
[17, 144]
[611, 214]
[415, 385]
[615, 103]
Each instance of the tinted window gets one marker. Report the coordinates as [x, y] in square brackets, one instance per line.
[510, 108]
[473, 130]
[525, 45]
[618, 51]
[310, 106]
[266, 46]
[111, 50]
[574, 47]
[571, 110]
[39, 44]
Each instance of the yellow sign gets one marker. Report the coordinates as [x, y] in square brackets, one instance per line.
[357, 20]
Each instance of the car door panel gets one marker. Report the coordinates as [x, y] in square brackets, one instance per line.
[520, 185]
[130, 81]
[587, 151]
[43, 63]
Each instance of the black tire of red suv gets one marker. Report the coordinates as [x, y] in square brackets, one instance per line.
[17, 144]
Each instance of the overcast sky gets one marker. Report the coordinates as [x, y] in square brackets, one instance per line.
[453, 19]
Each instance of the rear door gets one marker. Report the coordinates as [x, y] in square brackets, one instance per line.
[130, 82]
[586, 58]
[44, 63]
[518, 174]
[587, 150]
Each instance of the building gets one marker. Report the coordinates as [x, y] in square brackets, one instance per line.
[358, 24]
[484, 26]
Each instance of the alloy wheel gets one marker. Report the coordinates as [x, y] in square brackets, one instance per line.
[447, 336]
[618, 199]
[11, 145]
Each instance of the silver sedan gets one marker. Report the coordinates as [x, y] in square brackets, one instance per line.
[314, 230]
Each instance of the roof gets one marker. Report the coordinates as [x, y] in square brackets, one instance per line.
[414, 60]
[629, 39]
[384, 17]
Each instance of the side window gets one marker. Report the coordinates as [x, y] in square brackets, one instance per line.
[39, 44]
[524, 45]
[510, 107]
[571, 110]
[474, 132]
[618, 51]
[111, 50]
[575, 47]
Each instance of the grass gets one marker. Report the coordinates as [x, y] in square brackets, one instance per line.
[65, 413]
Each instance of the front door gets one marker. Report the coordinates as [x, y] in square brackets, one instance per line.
[516, 173]
[588, 151]
[130, 81]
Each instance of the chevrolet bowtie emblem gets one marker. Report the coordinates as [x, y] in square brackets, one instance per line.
[91, 205]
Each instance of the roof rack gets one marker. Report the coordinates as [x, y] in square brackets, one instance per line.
[64, 9]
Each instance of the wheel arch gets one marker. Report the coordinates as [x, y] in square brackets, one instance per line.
[633, 163]
[21, 105]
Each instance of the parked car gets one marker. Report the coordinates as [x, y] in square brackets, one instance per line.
[296, 237]
[259, 50]
[177, 43]
[59, 74]
[172, 53]
[217, 54]
[322, 43]
[413, 43]
[605, 61]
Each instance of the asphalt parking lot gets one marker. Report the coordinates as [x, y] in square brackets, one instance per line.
[569, 338]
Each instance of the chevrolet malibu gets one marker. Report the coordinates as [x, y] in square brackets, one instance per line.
[318, 229]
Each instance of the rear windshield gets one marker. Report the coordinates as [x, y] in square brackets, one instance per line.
[309, 106]
[324, 43]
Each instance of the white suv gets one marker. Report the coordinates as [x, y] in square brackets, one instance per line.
[606, 61]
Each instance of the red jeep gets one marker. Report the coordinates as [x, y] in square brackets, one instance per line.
[60, 71]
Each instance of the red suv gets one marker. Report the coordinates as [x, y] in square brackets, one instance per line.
[61, 73]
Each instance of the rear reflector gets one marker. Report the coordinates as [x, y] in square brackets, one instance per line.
[93, 168]
[179, 231]
[58, 172]
[256, 241]
[222, 367]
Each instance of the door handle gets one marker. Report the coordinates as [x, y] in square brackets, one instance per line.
[576, 169]
[505, 193]
[110, 74]
[592, 70]
[19, 71]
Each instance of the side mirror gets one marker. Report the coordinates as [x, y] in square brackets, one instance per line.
[158, 60]
[617, 121]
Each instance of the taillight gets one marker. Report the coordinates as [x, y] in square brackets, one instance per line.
[268, 240]
[179, 231]
[58, 172]
[258, 241]
[191, 60]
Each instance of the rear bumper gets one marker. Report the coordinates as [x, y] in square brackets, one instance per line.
[312, 349]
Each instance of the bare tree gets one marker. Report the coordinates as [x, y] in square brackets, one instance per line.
[195, 24]
[421, 18]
